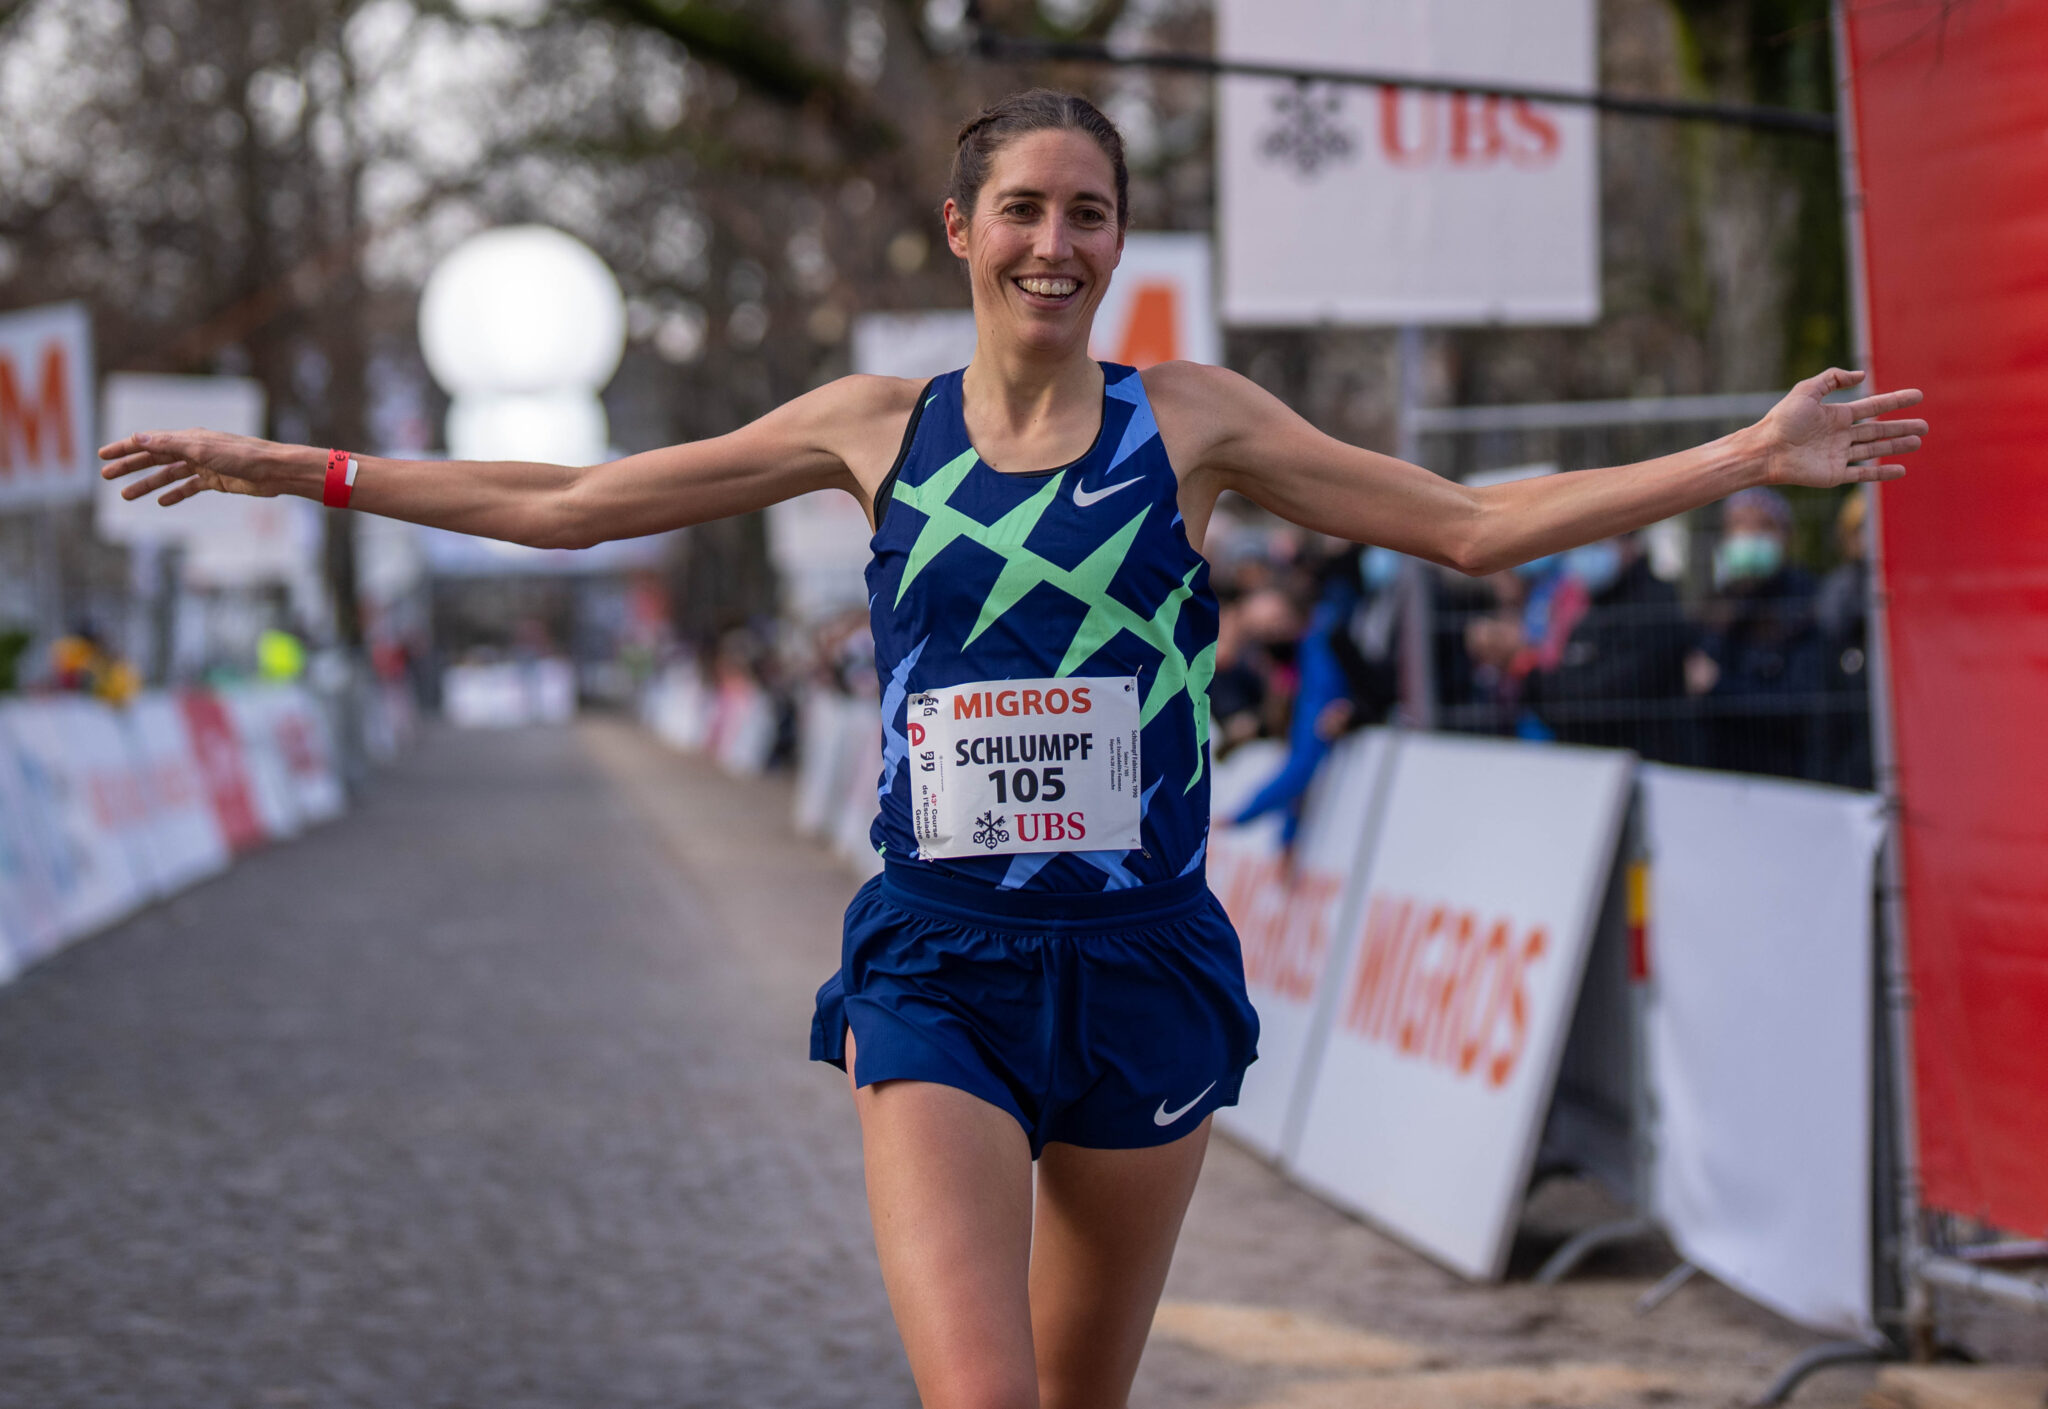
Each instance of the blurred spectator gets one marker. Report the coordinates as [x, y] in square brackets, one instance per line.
[1617, 677]
[1758, 667]
[1539, 605]
[1840, 611]
[1347, 673]
[80, 662]
[1256, 647]
[1237, 691]
[280, 656]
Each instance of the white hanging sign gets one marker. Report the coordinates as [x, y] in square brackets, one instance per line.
[48, 453]
[1348, 203]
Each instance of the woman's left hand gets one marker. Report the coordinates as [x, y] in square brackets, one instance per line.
[1819, 443]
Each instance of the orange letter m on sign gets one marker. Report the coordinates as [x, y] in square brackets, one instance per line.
[41, 423]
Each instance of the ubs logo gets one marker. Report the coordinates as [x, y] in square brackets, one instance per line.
[1409, 128]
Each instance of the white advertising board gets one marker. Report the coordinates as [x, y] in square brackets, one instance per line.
[75, 764]
[1357, 204]
[1290, 917]
[183, 841]
[916, 345]
[272, 790]
[32, 836]
[230, 540]
[1759, 1035]
[48, 451]
[1160, 305]
[1451, 1014]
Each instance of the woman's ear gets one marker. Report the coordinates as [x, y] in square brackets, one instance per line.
[956, 228]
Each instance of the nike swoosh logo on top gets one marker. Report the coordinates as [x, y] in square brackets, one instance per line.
[1163, 1116]
[1083, 498]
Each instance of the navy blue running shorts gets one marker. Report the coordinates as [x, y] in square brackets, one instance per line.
[1114, 1019]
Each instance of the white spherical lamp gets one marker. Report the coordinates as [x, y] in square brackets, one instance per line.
[522, 327]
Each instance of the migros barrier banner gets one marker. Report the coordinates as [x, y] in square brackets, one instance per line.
[103, 809]
[1449, 1016]
[1290, 911]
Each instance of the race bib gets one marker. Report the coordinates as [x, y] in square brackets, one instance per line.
[1004, 766]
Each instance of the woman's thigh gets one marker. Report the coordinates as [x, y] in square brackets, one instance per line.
[949, 1189]
[1107, 1221]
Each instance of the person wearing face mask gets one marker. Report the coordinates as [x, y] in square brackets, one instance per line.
[1758, 666]
[1347, 675]
[1619, 664]
[1840, 610]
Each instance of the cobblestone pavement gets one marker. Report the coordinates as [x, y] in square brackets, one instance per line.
[493, 1094]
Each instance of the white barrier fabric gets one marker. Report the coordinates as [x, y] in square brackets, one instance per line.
[857, 804]
[83, 791]
[271, 788]
[1759, 1035]
[678, 709]
[821, 758]
[31, 834]
[306, 743]
[1290, 914]
[103, 809]
[183, 841]
[742, 728]
[1451, 1016]
[507, 694]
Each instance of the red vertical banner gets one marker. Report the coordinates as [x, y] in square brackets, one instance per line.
[1951, 126]
[217, 749]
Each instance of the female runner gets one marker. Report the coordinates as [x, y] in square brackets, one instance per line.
[1040, 972]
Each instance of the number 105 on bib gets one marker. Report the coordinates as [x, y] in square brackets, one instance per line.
[1005, 766]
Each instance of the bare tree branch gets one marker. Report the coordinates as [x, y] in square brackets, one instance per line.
[763, 59]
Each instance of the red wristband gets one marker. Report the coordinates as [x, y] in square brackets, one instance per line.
[341, 479]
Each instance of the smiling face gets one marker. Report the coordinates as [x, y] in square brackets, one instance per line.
[1041, 241]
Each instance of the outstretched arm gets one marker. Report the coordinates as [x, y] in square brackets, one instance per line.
[839, 436]
[1227, 433]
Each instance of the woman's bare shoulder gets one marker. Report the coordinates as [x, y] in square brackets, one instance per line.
[863, 398]
[859, 419]
[1200, 408]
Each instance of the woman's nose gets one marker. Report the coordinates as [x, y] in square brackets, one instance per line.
[1053, 240]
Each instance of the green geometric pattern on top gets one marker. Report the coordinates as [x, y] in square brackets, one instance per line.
[1088, 584]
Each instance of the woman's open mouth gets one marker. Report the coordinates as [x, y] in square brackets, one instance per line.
[1048, 290]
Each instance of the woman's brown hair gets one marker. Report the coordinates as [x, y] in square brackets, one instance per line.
[1035, 110]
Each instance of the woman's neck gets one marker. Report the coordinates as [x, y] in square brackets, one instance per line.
[1020, 391]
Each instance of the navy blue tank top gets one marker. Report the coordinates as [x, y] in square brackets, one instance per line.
[1084, 570]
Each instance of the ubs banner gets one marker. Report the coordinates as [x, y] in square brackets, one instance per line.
[1356, 204]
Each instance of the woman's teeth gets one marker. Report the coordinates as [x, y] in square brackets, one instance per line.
[1049, 288]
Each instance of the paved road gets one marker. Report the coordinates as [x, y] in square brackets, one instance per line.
[457, 1102]
[492, 1095]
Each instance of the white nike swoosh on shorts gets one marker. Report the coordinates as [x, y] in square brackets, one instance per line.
[1083, 497]
[1163, 1116]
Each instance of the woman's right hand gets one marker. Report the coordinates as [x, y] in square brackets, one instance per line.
[185, 463]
